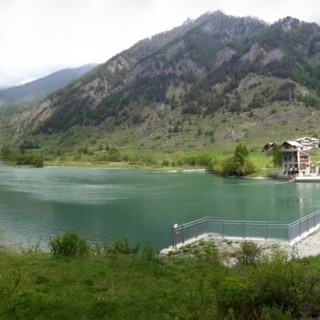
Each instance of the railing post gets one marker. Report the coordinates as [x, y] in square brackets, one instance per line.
[182, 233]
[266, 230]
[196, 227]
[300, 227]
[222, 228]
[243, 229]
[174, 236]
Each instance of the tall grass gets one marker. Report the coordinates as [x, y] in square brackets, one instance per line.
[119, 281]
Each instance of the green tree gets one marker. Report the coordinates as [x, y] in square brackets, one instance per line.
[277, 156]
[6, 153]
[239, 164]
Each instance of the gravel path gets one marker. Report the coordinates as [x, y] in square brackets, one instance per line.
[308, 246]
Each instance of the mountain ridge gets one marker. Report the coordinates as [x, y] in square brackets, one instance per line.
[34, 91]
[218, 77]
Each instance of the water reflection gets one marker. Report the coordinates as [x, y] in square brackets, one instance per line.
[308, 199]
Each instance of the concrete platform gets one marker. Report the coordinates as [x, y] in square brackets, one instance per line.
[314, 178]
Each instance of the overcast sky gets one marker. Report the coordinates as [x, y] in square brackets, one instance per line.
[38, 37]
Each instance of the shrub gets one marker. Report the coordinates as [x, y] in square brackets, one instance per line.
[69, 244]
[277, 157]
[204, 160]
[273, 286]
[6, 153]
[249, 254]
[119, 247]
[34, 159]
[239, 164]
[148, 252]
[114, 155]
[165, 163]
[234, 297]
[122, 246]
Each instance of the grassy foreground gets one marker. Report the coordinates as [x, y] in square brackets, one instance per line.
[127, 284]
[115, 287]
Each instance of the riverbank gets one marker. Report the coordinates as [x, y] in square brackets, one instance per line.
[152, 168]
[161, 160]
[126, 165]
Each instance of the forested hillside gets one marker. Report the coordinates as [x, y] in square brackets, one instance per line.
[215, 80]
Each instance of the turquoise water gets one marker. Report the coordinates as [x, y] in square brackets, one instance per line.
[105, 204]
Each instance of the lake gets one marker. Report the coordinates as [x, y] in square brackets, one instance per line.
[105, 204]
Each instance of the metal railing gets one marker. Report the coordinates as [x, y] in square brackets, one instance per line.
[267, 230]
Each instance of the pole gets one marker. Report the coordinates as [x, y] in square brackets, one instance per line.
[174, 236]
[196, 227]
[266, 230]
[243, 229]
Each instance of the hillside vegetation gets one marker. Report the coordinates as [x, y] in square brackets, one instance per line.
[207, 85]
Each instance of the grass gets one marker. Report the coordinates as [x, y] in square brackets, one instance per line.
[191, 285]
[116, 287]
[262, 162]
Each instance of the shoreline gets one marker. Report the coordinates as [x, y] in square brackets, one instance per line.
[125, 166]
[128, 166]
[122, 166]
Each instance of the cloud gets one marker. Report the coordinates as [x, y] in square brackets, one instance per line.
[273, 10]
[40, 36]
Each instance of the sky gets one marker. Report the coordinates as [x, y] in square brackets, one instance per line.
[38, 37]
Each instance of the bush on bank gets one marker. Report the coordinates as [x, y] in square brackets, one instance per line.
[33, 159]
[69, 244]
[239, 164]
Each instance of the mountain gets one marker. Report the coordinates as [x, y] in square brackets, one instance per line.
[216, 80]
[35, 91]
